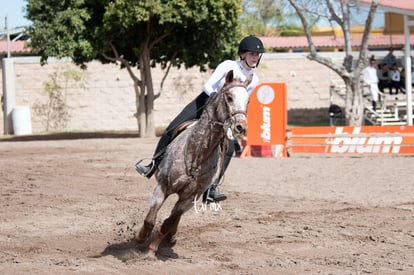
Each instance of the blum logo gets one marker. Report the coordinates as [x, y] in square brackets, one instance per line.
[266, 124]
[355, 143]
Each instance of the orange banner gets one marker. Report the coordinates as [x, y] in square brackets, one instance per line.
[267, 115]
[352, 140]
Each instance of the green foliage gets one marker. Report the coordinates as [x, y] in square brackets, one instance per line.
[290, 31]
[58, 28]
[188, 33]
[262, 17]
[137, 33]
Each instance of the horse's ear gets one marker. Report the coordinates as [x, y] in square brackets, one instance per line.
[229, 77]
[248, 80]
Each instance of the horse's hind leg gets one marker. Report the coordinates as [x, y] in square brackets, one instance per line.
[170, 225]
[157, 200]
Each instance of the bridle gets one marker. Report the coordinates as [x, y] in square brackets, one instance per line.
[230, 114]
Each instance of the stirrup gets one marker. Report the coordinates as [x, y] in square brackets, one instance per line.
[146, 170]
[217, 196]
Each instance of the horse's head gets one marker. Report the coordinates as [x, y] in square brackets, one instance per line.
[236, 98]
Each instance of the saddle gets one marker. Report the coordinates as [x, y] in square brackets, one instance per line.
[182, 127]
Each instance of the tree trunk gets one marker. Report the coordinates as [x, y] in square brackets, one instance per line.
[137, 90]
[141, 107]
[149, 99]
[354, 104]
[145, 96]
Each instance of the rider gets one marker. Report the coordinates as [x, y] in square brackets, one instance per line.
[250, 52]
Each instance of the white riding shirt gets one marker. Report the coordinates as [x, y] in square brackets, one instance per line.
[218, 78]
[369, 75]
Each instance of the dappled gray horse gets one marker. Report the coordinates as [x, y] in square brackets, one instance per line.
[194, 159]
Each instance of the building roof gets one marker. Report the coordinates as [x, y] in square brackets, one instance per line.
[405, 7]
[275, 43]
[16, 47]
[300, 42]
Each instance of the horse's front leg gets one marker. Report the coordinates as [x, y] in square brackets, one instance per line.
[170, 225]
[157, 200]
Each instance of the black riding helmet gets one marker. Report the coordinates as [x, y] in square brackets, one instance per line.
[251, 44]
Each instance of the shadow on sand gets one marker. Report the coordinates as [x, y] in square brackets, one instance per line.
[131, 250]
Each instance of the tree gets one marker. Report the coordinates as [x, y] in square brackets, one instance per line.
[136, 34]
[261, 16]
[339, 12]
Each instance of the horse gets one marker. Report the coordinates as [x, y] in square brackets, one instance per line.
[193, 160]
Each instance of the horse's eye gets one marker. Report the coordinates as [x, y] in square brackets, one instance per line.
[229, 98]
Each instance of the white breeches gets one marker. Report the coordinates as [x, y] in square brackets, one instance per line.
[373, 88]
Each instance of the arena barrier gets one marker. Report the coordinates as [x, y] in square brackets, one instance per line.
[269, 136]
[351, 140]
[267, 121]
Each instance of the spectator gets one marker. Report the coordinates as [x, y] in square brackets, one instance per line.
[390, 58]
[402, 79]
[412, 78]
[384, 77]
[396, 79]
[370, 78]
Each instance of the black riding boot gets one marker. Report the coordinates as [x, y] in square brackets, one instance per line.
[212, 195]
[237, 148]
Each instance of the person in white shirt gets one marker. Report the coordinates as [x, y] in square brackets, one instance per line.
[250, 52]
[370, 78]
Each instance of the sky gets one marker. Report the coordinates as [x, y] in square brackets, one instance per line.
[14, 10]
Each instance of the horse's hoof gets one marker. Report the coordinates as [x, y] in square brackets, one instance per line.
[171, 241]
[150, 255]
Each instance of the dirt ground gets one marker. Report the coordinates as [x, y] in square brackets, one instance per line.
[71, 206]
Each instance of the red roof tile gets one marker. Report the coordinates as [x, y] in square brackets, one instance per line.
[398, 6]
[300, 42]
[16, 47]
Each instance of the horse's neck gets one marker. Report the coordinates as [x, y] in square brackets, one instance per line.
[208, 132]
[206, 136]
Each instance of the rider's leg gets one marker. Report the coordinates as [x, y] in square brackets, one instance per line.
[148, 170]
[212, 194]
[192, 111]
[237, 148]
